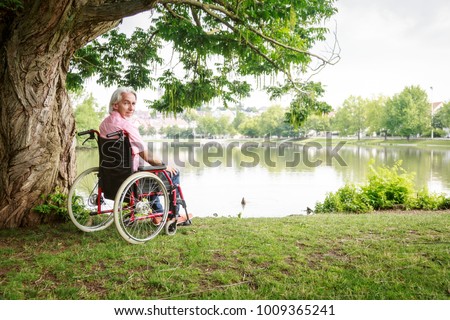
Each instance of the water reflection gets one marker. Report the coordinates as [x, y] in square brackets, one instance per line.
[279, 180]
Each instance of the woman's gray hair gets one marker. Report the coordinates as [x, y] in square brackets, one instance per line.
[117, 96]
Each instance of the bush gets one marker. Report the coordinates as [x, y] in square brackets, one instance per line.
[445, 205]
[346, 199]
[55, 204]
[387, 188]
[428, 201]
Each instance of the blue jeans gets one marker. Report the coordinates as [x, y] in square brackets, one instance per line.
[175, 181]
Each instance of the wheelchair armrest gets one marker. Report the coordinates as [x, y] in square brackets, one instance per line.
[152, 168]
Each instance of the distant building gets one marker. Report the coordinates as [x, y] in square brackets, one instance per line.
[142, 118]
[435, 106]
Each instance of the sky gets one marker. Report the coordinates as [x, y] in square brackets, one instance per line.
[385, 45]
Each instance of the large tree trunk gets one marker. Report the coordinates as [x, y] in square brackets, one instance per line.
[37, 129]
[36, 120]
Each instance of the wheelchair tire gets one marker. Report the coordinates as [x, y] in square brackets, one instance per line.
[135, 214]
[171, 227]
[83, 204]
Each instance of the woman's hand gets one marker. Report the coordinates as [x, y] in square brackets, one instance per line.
[172, 170]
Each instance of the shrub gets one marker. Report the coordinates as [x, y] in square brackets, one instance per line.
[330, 204]
[388, 187]
[445, 205]
[55, 204]
[428, 201]
[346, 199]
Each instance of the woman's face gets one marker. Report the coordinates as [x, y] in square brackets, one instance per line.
[127, 105]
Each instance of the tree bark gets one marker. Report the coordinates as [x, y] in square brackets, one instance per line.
[36, 120]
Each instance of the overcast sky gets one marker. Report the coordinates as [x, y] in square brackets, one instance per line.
[386, 45]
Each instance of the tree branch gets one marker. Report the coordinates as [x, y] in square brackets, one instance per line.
[222, 10]
[111, 11]
[226, 10]
[174, 14]
[207, 8]
[251, 45]
[196, 17]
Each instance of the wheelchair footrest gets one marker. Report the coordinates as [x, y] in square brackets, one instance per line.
[185, 223]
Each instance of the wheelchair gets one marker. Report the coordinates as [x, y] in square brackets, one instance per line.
[140, 203]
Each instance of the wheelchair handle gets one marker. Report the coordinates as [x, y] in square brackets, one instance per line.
[119, 133]
[82, 133]
[90, 132]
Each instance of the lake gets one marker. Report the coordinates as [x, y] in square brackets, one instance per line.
[278, 179]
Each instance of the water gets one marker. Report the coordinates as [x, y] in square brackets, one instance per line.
[277, 182]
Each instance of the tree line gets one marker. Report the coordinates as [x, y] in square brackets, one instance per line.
[271, 122]
[406, 114]
[202, 122]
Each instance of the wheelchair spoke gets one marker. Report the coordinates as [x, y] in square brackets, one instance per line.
[87, 210]
[141, 207]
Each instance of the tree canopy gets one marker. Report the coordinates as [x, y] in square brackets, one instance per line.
[408, 112]
[442, 118]
[350, 118]
[196, 51]
[405, 114]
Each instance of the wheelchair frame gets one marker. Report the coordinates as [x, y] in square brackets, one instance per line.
[133, 209]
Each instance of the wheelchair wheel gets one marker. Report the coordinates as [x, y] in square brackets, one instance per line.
[171, 227]
[86, 210]
[141, 207]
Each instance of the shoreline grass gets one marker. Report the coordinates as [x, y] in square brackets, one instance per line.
[387, 255]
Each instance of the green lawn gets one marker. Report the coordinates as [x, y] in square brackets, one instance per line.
[370, 256]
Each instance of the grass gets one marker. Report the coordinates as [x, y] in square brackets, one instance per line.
[370, 256]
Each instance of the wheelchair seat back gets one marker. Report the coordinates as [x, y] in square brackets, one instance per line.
[115, 165]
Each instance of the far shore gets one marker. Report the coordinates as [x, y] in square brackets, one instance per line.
[333, 140]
